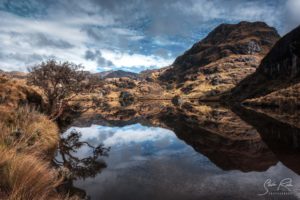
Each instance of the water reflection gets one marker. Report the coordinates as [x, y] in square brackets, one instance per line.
[74, 165]
[194, 151]
[283, 139]
[244, 154]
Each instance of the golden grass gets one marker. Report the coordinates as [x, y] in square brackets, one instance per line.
[285, 99]
[27, 130]
[25, 177]
[28, 140]
[10, 92]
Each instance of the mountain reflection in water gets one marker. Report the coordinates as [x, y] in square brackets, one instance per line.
[158, 151]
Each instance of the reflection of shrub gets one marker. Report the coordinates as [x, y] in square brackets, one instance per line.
[72, 166]
[80, 167]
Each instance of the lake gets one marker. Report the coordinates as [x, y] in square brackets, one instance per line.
[154, 150]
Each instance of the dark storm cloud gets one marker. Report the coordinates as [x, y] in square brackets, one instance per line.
[102, 62]
[90, 55]
[42, 40]
[179, 17]
[97, 56]
[94, 33]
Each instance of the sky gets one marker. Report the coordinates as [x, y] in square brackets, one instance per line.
[131, 35]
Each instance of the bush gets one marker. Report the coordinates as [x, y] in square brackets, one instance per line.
[61, 83]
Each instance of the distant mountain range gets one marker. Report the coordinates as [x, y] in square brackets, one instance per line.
[117, 74]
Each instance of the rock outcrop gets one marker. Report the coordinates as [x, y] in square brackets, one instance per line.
[279, 70]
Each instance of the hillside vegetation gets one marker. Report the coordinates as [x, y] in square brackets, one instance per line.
[28, 141]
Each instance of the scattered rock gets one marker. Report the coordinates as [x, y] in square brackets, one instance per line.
[245, 59]
[187, 89]
[177, 100]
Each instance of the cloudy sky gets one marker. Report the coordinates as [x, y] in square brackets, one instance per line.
[132, 35]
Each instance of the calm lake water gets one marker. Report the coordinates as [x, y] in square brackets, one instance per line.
[179, 153]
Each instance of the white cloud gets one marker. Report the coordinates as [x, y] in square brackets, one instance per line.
[123, 136]
[67, 29]
[135, 60]
[18, 37]
[17, 34]
[293, 13]
[293, 7]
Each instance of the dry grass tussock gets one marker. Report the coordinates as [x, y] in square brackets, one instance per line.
[27, 130]
[27, 139]
[25, 177]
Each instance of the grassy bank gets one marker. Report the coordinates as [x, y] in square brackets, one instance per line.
[27, 143]
[28, 140]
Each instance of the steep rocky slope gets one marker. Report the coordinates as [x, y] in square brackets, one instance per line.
[218, 62]
[279, 71]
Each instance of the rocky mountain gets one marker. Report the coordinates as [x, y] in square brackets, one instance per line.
[276, 77]
[117, 74]
[218, 62]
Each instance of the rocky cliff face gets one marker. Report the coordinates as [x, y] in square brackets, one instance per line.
[218, 62]
[284, 59]
[280, 69]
